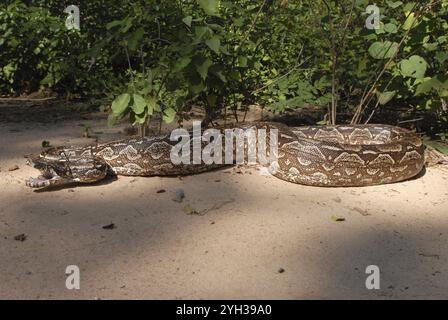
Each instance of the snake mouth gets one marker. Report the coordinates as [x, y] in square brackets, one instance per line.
[44, 180]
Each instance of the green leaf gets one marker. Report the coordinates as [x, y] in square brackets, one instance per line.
[200, 31]
[383, 50]
[195, 89]
[127, 24]
[214, 43]
[151, 102]
[211, 7]
[362, 3]
[441, 147]
[140, 118]
[394, 4]
[410, 21]
[111, 120]
[428, 84]
[414, 67]
[139, 104]
[134, 39]
[169, 115]
[242, 61]
[385, 97]
[113, 24]
[220, 75]
[431, 46]
[181, 64]
[212, 99]
[390, 28]
[238, 22]
[121, 103]
[380, 30]
[187, 20]
[442, 39]
[203, 68]
[441, 56]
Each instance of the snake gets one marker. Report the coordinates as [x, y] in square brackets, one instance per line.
[320, 155]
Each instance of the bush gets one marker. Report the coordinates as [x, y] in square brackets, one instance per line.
[161, 57]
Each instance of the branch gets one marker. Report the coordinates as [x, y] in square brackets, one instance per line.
[365, 96]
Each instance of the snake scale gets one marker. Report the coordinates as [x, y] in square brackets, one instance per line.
[329, 156]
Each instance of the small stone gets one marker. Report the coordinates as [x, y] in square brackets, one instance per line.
[14, 168]
[161, 191]
[179, 195]
[281, 270]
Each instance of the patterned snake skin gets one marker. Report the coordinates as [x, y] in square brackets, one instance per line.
[331, 156]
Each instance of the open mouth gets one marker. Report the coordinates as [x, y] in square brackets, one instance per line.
[43, 180]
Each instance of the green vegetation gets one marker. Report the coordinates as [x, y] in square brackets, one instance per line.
[152, 58]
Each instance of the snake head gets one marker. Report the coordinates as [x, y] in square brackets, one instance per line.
[59, 168]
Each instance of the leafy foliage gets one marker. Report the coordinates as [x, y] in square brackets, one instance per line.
[158, 58]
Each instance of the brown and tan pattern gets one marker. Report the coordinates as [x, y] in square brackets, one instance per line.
[332, 156]
[350, 155]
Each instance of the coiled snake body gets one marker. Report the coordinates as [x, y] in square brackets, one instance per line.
[332, 156]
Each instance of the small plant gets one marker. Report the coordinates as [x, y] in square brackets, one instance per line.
[86, 132]
[46, 144]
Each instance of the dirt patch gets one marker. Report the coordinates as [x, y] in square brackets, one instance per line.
[255, 236]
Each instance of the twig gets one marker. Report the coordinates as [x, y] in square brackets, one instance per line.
[334, 58]
[358, 112]
[412, 120]
[246, 35]
[26, 99]
[378, 100]
[284, 75]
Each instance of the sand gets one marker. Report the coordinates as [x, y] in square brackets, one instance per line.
[254, 237]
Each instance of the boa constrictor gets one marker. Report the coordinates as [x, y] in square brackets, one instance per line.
[329, 156]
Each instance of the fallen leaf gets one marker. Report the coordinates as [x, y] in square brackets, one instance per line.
[337, 219]
[14, 168]
[110, 226]
[161, 191]
[426, 255]
[188, 209]
[361, 211]
[20, 237]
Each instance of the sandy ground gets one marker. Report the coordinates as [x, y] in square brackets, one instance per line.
[251, 226]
